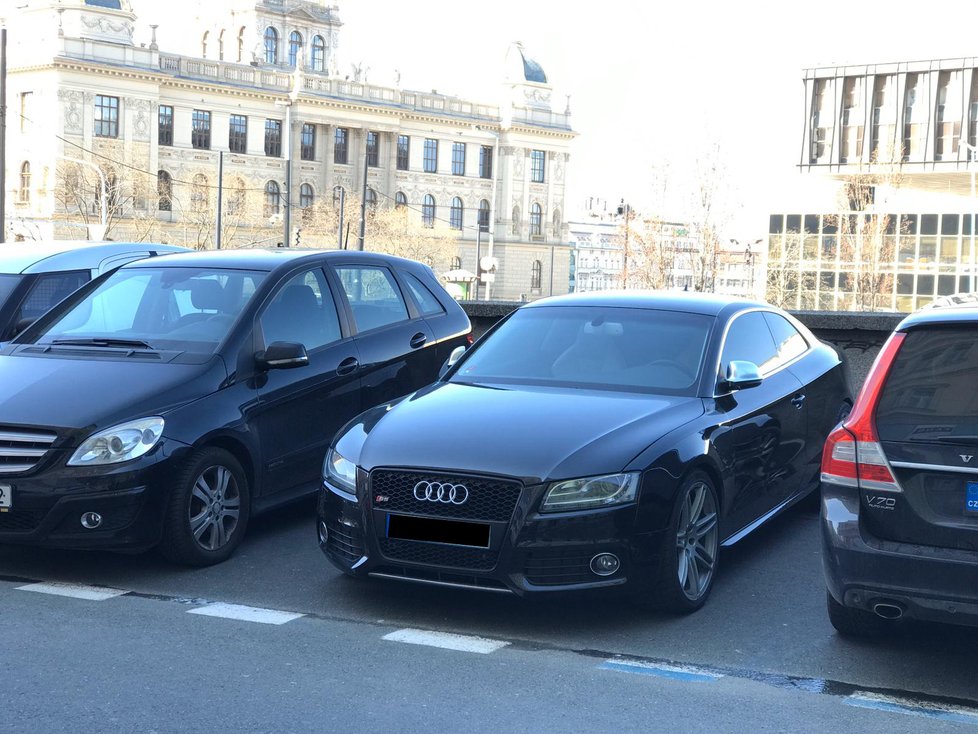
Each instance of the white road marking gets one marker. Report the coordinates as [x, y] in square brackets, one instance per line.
[446, 640]
[245, 614]
[75, 591]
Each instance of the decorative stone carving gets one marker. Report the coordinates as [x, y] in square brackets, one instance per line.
[71, 102]
[140, 124]
[518, 163]
[104, 26]
[540, 96]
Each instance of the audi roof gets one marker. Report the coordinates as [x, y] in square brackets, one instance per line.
[46, 257]
[709, 304]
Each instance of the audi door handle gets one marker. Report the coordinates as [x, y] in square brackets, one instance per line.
[347, 366]
[798, 401]
[418, 340]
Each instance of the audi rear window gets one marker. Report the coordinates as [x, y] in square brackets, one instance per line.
[929, 393]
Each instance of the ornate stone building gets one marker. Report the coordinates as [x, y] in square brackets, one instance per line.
[151, 104]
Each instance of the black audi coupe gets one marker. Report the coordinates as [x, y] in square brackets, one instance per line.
[586, 441]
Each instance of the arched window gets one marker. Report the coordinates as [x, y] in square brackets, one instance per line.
[220, 45]
[428, 211]
[455, 214]
[536, 274]
[271, 46]
[236, 196]
[241, 35]
[371, 198]
[198, 192]
[536, 220]
[25, 182]
[164, 189]
[516, 220]
[295, 48]
[456, 263]
[484, 215]
[306, 196]
[318, 54]
[400, 200]
[203, 44]
[273, 200]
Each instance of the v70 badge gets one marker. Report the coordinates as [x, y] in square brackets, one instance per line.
[880, 502]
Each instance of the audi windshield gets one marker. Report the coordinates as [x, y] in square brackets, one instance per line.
[176, 308]
[627, 349]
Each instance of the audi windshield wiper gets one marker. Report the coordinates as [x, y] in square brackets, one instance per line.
[99, 341]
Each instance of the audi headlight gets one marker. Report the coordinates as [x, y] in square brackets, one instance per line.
[583, 494]
[119, 443]
[341, 471]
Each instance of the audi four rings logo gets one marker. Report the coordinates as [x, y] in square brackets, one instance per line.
[449, 494]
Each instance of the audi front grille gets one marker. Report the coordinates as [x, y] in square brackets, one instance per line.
[22, 449]
[487, 499]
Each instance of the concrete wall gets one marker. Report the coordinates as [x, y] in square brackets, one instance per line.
[857, 336]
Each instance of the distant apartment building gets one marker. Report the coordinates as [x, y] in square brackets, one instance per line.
[106, 111]
[900, 139]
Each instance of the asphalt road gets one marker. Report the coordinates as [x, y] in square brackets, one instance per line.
[761, 656]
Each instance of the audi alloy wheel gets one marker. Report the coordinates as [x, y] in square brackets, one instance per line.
[697, 538]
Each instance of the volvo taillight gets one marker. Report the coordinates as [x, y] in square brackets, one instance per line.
[852, 455]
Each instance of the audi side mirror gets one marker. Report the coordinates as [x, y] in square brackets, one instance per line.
[742, 375]
[453, 358]
[282, 356]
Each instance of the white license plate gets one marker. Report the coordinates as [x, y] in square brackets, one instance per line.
[6, 497]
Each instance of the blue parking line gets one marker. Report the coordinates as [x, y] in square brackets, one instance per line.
[693, 675]
[910, 709]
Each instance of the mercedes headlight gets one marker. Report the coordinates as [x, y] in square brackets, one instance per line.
[589, 492]
[341, 471]
[119, 443]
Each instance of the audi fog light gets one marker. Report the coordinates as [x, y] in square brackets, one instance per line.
[589, 492]
[605, 564]
[119, 443]
[341, 471]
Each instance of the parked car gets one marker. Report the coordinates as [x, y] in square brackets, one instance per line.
[900, 483]
[169, 401]
[588, 441]
[35, 276]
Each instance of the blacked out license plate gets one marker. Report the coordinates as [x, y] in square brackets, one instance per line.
[971, 498]
[6, 497]
[452, 532]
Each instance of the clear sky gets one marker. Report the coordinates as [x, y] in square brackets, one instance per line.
[654, 84]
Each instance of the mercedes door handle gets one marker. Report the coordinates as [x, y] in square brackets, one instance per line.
[418, 340]
[348, 365]
[798, 401]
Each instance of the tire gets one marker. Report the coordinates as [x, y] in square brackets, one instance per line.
[210, 496]
[859, 623]
[687, 564]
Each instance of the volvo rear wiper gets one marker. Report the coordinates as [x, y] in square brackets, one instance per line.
[958, 439]
[99, 341]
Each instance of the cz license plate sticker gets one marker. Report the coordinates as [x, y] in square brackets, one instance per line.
[6, 497]
[971, 499]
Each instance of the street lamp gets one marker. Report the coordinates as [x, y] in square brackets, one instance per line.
[103, 200]
[750, 258]
[972, 150]
[492, 199]
[626, 211]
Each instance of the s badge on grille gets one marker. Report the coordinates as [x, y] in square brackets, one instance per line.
[381, 498]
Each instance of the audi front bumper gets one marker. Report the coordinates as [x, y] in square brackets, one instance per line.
[528, 554]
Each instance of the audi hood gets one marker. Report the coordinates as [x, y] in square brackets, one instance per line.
[531, 433]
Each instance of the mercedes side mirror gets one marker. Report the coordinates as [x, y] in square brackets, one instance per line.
[282, 356]
[742, 375]
[454, 357]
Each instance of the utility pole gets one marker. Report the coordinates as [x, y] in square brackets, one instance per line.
[626, 210]
[363, 192]
[3, 135]
[220, 194]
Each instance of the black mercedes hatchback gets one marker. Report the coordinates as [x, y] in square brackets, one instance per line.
[588, 441]
[169, 401]
[900, 483]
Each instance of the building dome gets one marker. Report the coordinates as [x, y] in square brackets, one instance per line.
[521, 68]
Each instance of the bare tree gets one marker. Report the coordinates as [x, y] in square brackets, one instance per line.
[783, 272]
[710, 215]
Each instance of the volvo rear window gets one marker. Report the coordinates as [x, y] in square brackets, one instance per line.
[929, 393]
